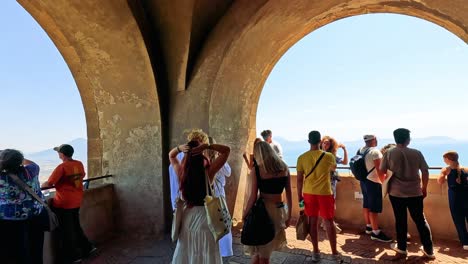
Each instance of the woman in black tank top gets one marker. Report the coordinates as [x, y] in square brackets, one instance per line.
[270, 177]
[192, 173]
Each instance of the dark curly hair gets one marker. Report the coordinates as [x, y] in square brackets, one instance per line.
[11, 161]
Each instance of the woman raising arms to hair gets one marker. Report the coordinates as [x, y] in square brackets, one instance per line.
[329, 144]
[196, 244]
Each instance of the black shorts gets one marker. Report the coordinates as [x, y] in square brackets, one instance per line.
[372, 196]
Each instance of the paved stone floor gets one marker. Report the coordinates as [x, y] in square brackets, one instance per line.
[355, 248]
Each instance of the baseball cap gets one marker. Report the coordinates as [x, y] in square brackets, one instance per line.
[314, 137]
[368, 137]
[66, 149]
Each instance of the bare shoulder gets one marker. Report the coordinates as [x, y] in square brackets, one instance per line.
[446, 170]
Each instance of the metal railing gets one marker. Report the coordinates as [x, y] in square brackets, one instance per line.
[85, 182]
[348, 168]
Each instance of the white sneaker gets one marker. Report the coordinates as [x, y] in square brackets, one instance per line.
[338, 229]
[394, 247]
[428, 254]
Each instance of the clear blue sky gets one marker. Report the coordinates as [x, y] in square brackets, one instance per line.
[369, 74]
[398, 71]
[41, 105]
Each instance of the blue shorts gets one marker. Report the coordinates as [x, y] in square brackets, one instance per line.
[372, 196]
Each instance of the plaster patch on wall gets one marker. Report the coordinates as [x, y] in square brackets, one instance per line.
[100, 57]
[110, 136]
[127, 97]
[103, 97]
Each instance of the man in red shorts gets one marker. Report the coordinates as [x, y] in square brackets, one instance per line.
[314, 189]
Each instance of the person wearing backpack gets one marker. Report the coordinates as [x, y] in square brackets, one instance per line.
[371, 188]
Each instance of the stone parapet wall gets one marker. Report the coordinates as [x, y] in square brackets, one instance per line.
[97, 217]
[349, 209]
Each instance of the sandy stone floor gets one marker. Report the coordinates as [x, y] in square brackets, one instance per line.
[355, 247]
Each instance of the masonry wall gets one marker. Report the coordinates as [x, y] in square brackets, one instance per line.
[349, 209]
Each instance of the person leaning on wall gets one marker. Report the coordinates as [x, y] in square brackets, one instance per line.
[67, 178]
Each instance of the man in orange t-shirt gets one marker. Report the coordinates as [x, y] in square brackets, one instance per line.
[67, 179]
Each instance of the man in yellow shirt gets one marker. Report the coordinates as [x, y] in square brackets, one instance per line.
[314, 190]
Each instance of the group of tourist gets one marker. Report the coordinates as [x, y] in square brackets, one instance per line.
[403, 170]
[24, 218]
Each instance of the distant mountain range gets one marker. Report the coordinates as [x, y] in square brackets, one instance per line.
[81, 151]
[431, 147]
[48, 159]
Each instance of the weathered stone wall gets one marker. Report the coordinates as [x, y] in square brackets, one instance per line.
[250, 39]
[101, 42]
[212, 65]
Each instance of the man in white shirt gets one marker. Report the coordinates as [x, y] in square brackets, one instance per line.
[267, 136]
[371, 189]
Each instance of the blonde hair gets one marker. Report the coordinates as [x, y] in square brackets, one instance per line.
[267, 158]
[197, 134]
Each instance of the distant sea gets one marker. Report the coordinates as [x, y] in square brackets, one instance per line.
[432, 148]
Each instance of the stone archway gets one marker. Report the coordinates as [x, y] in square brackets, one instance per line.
[103, 46]
[250, 39]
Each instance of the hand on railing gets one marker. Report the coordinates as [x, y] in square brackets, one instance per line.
[85, 182]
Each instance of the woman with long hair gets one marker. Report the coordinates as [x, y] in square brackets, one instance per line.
[274, 178]
[196, 243]
[330, 144]
[456, 177]
[250, 160]
[225, 243]
[21, 216]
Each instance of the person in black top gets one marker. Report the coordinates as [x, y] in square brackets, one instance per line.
[273, 179]
[456, 177]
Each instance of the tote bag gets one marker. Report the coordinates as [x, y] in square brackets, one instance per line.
[219, 219]
[177, 218]
[302, 227]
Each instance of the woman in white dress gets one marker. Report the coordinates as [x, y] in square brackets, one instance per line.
[225, 243]
[196, 243]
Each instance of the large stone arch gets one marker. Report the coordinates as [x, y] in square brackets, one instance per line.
[103, 46]
[242, 50]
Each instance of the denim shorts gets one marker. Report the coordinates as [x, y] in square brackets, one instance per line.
[372, 196]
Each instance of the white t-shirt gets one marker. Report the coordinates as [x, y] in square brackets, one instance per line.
[372, 155]
[277, 148]
[220, 180]
[174, 182]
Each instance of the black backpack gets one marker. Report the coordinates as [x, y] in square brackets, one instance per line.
[358, 165]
